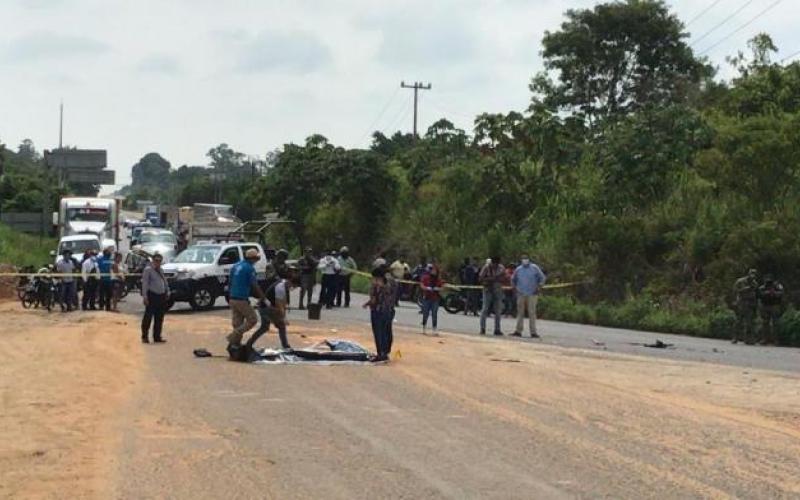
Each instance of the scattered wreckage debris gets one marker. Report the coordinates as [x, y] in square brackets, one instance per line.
[657, 345]
[599, 343]
[327, 352]
[203, 353]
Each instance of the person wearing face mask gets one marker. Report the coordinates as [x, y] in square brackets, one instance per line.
[348, 265]
[330, 268]
[527, 280]
[104, 264]
[431, 285]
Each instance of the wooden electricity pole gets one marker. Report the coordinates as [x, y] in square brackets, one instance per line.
[417, 86]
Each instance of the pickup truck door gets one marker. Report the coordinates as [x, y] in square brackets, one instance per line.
[227, 259]
[261, 265]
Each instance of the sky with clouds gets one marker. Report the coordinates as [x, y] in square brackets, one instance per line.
[180, 76]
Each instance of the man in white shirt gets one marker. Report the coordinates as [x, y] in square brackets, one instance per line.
[400, 270]
[348, 265]
[66, 266]
[88, 271]
[329, 267]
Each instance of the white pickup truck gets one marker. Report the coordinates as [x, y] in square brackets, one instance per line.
[199, 275]
[78, 244]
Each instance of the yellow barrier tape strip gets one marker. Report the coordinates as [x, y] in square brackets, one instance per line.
[351, 271]
[477, 287]
[62, 275]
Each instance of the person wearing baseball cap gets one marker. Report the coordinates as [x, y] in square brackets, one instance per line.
[348, 265]
[243, 283]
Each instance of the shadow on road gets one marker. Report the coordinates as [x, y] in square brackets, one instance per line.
[189, 310]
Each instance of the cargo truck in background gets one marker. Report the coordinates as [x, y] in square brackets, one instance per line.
[207, 221]
[152, 215]
[89, 216]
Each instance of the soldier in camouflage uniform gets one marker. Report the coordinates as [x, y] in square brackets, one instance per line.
[746, 292]
[770, 305]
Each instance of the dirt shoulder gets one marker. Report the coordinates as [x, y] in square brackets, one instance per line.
[87, 411]
[63, 380]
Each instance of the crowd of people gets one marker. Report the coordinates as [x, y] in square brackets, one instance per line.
[336, 270]
[489, 290]
[99, 278]
[491, 285]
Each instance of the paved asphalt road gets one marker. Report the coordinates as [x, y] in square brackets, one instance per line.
[572, 335]
[445, 421]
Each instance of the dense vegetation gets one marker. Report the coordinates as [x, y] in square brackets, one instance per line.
[24, 179]
[23, 250]
[633, 167]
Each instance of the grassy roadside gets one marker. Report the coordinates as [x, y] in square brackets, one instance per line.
[697, 320]
[20, 249]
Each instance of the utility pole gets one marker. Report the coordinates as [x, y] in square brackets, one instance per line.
[61, 126]
[417, 86]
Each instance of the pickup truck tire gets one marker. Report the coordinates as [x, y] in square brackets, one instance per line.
[168, 304]
[203, 297]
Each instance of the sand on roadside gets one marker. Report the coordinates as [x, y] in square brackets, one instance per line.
[63, 381]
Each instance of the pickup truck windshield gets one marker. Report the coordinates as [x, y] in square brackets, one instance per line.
[157, 238]
[200, 254]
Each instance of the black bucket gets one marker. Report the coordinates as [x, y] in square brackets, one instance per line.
[314, 311]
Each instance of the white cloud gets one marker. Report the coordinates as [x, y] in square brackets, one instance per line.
[295, 52]
[160, 64]
[44, 46]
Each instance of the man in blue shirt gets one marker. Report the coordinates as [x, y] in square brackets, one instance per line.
[527, 280]
[104, 267]
[242, 282]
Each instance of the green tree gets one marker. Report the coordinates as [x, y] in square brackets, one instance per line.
[615, 59]
[225, 159]
[762, 86]
[151, 171]
[27, 151]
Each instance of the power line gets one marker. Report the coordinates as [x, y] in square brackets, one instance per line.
[790, 56]
[724, 22]
[404, 111]
[370, 129]
[703, 12]
[448, 112]
[743, 26]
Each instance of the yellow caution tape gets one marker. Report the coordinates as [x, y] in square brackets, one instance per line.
[351, 271]
[62, 275]
[475, 287]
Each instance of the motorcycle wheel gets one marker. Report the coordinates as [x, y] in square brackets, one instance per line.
[453, 303]
[28, 301]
